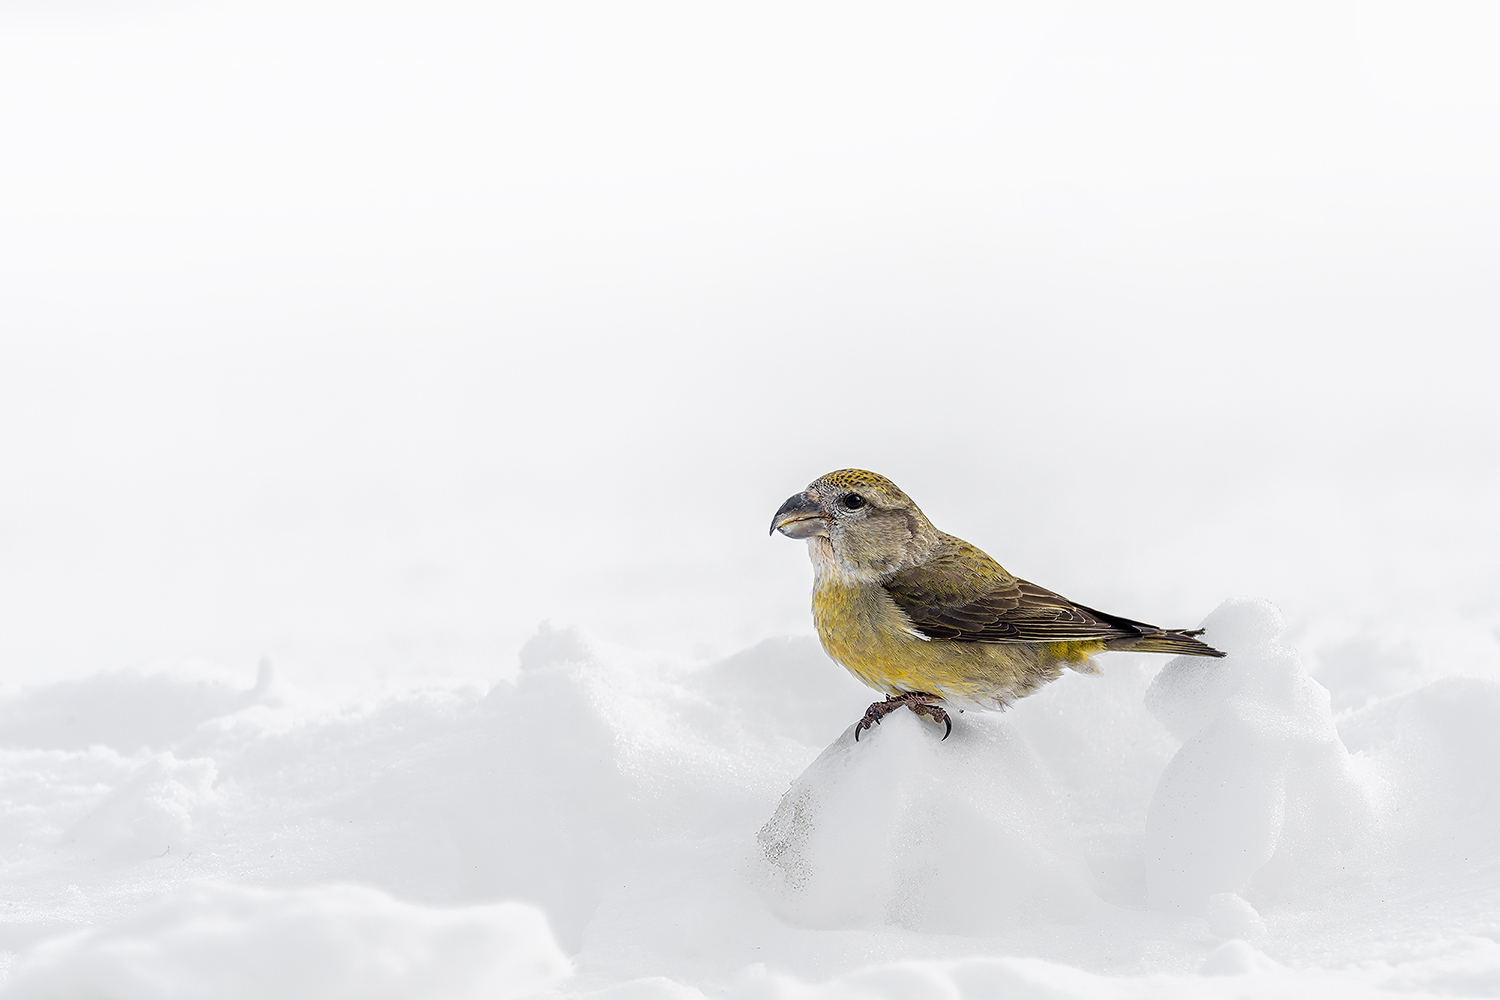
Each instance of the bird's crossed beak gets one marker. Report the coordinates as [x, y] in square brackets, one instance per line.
[800, 517]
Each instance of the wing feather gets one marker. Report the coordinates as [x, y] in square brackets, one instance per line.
[962, 594]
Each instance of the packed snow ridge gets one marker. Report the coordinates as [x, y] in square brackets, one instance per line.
[613, 825]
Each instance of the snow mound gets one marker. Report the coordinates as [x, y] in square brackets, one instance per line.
[1437, 750]
[230, 942]
[1234, 971]
[959, 836]
[1231, 916]
[1263, 799]
[124, 710]
[162, 805]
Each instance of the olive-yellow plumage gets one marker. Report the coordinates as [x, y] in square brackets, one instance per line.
[926, 617]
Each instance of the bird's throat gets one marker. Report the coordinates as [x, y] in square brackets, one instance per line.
[825, 562]
[830, 567]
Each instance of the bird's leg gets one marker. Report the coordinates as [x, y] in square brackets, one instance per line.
[922, 704]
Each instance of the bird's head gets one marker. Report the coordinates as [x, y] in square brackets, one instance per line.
[858, 524]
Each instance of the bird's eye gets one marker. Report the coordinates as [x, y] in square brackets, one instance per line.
[853, 501]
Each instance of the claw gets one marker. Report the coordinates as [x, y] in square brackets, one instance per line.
[874, 714]
[922, 704]
[935, 713]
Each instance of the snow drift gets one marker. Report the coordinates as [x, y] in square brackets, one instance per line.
[1177, 828]
[232, 941]
[952, 836]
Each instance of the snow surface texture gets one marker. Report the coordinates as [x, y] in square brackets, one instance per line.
[229, 942]
[1187, 828]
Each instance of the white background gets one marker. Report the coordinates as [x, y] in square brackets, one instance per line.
[371, 335]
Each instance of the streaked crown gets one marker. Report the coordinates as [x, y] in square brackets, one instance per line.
[872, 486]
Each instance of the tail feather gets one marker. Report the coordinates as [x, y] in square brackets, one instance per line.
[1169, 641]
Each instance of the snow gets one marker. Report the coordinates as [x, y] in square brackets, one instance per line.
[1262, 793]
[339, 941]
[622, 825]
[958, 836]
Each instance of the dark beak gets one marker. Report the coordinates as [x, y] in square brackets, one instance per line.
[800, 517]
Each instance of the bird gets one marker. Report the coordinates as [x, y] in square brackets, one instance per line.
[927, 618]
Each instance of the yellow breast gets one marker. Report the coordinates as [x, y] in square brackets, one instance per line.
[862, 629]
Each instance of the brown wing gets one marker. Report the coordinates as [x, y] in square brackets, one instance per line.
[964, 595]
[1017, 612]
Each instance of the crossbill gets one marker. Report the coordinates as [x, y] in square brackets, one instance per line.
[928, 618]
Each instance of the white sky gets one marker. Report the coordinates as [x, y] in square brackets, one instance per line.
[369, 335]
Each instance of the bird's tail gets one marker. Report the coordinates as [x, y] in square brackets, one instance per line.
[1171, 640]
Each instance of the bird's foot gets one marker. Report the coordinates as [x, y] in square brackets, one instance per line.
[922, 704]
[935, 712]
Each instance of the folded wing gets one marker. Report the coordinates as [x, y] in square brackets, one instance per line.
[965, 596]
